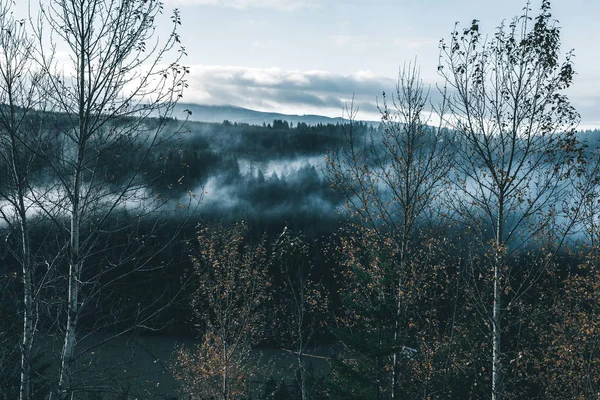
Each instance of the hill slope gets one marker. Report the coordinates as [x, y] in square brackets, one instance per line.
[238, 114]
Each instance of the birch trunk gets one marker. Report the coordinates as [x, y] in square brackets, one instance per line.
[396, 355]
[496, 335]
[28, 326]
[68, 356]
[496, 306]
[301, 369]
[19, 177]
[397, 326]
[75, 261]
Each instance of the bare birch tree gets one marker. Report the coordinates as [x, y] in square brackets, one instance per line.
[515, 142]
[118, 77]
[391, 180]
[20, 133]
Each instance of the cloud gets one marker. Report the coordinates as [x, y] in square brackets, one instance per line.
[281, 5]
[359, 42]
[287, 91]
[367, 41]
[342, 40]
[315, 91]
[411, 43]
[588, 107]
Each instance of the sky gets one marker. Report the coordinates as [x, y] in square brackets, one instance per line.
[313, 56]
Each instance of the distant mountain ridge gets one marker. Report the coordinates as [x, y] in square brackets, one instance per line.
[204, 113]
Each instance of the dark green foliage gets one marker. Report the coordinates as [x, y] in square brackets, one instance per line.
[10, 339]
[276, 391]
[10, 325]
[355, 381]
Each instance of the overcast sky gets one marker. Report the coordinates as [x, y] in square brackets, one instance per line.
[311, 56]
